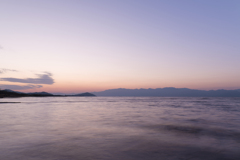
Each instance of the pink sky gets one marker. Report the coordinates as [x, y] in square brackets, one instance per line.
[93, 46]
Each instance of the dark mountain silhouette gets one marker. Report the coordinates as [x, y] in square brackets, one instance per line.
[169, 92]
[159, 92]
[85, 94]
[11, 93]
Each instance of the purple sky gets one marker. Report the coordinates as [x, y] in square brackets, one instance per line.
[92, 45]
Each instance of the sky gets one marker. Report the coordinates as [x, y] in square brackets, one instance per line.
[74, 46]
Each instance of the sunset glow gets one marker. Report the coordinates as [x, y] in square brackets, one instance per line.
[86, 46]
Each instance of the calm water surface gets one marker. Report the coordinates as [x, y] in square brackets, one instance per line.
[120, 128]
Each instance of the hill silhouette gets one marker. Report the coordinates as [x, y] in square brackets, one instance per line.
[86, 94]
[10, 93]
[168, 92]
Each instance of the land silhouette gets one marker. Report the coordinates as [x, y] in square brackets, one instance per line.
[122, 92]
[169, 92]
[10, 93]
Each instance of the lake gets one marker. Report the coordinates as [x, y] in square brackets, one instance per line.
[120, 128]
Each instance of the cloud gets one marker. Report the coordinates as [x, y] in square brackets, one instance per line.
[16, 87]
[42, 79]
[3, 70]
[1, 47]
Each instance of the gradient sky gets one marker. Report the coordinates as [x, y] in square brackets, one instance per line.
[76, 46]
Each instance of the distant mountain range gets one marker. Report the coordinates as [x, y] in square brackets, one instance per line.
[122, 92]
[168, 92]
[10, 93]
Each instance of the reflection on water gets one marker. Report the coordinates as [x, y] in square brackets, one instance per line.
[120, 128]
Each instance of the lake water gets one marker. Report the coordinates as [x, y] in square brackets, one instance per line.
[120, 128]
